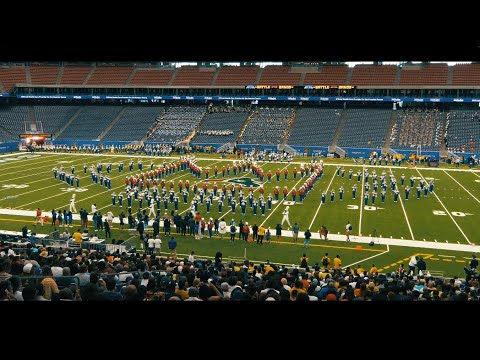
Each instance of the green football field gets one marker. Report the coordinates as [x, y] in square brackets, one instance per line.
[440, 226]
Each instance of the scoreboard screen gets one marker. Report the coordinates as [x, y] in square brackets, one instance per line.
[36, 136]
[28, 141]
[305, 87]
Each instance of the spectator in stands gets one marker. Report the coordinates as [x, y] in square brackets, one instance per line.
[49, 284]
[5, 267]
[421, 266]
[83, 275]
[474, 262]
[111, 294]
[412, 264]
[77, 236]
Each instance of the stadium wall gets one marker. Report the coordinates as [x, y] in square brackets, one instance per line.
[8, 147]
[70, 142]
[320, 150]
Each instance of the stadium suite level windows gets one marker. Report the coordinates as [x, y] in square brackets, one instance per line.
[295, 91]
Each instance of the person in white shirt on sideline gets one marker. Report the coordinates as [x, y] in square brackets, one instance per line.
[158, 245]
[348, 230]
[285, 217]
[73, 209]
[151, 245]
[222, 228]
[412, 264]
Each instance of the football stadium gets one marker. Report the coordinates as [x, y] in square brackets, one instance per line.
[279, 181]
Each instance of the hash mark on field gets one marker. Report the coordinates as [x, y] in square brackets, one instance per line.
[449, 260]
[447, 256]
[460, 261]
[461, 186]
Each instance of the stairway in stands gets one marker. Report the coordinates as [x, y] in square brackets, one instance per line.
[59, 75]
[112, 123]
[244, 126]
[393, 120]
[69, 122]
[290, 127]
[92, 70]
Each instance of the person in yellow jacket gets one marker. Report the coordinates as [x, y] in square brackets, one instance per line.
[337, 262]
[77, 236]
[260, 235]
[373, 271]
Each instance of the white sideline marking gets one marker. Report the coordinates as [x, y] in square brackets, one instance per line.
[368, 258]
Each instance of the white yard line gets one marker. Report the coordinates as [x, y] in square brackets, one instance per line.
[227, 212]
[78, 199]
[462, 187]
[403, 208]
[34, 171]
[281, 201]
[361, 203]
[6, 172]
[8, 163]
[319, 206]
[368, 258]
[55, 185]
[451, 217]
[145, 208]
[85, 176]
